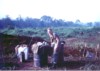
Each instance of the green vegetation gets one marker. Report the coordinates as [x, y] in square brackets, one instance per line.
[63, 32]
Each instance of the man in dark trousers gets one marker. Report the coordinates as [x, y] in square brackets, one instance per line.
[57, 49]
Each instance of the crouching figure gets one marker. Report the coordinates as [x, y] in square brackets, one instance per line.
[40, 54]
[22, 52]
[36, 59]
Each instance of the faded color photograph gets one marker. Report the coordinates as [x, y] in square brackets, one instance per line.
[49, 35]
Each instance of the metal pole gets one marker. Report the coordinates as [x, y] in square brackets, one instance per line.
[30, 41]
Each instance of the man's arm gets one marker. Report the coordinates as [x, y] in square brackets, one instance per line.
[56, 45]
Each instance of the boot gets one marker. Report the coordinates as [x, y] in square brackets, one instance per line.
[54, 66]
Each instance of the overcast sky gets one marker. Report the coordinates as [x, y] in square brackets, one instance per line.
[69, 10]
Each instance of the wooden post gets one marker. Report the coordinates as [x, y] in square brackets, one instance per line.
[85, 45]
[96, 51]
[84, 50]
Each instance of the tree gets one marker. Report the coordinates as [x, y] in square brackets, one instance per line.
[7, 23]
[97, 24]
[89, 24]
[46, 19]
[78, 21]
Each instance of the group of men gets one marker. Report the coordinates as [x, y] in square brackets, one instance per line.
[41, 50]
[37, 49]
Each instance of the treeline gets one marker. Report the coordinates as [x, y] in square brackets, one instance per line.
[44, 21]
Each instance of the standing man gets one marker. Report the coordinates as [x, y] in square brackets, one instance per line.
[55, 42]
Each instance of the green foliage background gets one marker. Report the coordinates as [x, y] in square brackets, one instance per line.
[63, 32]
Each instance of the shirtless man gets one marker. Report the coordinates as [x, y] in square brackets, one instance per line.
[55, 41]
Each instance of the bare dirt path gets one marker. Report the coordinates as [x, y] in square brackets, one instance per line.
[67, 66]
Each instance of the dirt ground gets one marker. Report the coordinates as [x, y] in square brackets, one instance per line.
[72, 64]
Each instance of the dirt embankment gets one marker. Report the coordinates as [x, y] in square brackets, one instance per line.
[8, 43]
